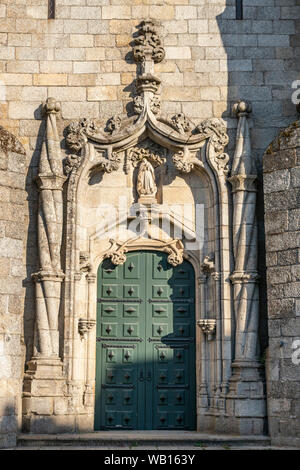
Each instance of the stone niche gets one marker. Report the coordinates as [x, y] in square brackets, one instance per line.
[12, 237]
[281, 166]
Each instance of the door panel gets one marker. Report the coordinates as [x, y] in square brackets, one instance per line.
[145, 377]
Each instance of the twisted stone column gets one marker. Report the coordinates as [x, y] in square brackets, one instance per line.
[48, 279]
[245, 276]
[45, 390]
[245, 403]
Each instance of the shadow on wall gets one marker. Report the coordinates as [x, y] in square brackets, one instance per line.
[8, 426]
[32, 255]
[259, 72]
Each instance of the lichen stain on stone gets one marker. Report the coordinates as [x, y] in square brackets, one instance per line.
[9, 142]
[283, 138]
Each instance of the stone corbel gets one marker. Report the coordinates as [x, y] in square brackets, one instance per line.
[84, 326]
[208, 327]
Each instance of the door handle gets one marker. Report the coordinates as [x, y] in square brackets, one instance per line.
[149, 377]
[141, 376]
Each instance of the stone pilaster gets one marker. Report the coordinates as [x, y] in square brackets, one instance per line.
[44, 391]
[245, 404]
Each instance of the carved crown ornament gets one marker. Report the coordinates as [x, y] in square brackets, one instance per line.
[116, 139]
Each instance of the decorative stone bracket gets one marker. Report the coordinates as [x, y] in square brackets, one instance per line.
[84, 326]
[208, 327]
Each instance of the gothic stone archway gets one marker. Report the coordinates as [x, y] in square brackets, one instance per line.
[126, 187]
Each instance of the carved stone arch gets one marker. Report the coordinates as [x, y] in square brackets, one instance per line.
[113, 151]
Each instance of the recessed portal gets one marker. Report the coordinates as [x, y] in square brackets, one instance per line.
[145, 365]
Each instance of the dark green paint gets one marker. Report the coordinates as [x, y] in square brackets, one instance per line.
[145, 372]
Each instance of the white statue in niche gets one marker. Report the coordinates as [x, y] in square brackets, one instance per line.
[146, 186]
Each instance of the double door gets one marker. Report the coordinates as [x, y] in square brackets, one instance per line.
[145, 358]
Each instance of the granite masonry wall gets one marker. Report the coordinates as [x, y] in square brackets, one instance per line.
[83, 58]
[12, 236]
[282, 219]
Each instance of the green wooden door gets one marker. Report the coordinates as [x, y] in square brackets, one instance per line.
[145, 359]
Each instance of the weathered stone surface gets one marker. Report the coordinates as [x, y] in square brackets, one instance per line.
[83, 58]
[12, 220]
[281, 172]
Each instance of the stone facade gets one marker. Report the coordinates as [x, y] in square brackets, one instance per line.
[84, 59]
[282, 218]
[13, 223]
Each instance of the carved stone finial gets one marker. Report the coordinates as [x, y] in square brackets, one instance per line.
[242, 108]
[148, 44]
[51, 106]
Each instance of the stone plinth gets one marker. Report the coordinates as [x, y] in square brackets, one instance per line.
[46, 406]
[245, 403]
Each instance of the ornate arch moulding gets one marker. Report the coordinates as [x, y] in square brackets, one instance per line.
[177, 134]
[142, 142]
[122, 140]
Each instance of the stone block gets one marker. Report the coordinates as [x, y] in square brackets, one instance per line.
[119, 12]
[173, 53]
[26, 67]
[95, 53]
[277, 181]
[75, 26]
[86, 67]
[281, 308]
[85, 12]
[102, 93]
[50, 424]
[250, 408]
[60, 405]
[81, 40]
[72, 110]
[276, 221]
[54, 79]
[185, 12]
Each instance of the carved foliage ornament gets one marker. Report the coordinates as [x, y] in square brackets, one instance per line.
[109, 164]
[77, 133]
[148, 42]
[182, 123]
[215, 131]
[118, 250]
[153, 152]
[185, 161]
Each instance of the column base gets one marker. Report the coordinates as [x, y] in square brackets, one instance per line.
[46, 403]
[246, 410]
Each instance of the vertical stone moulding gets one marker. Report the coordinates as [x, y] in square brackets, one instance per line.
[246, 402]
[43, 380]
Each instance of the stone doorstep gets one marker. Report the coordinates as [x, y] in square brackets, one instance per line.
[121, 438]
